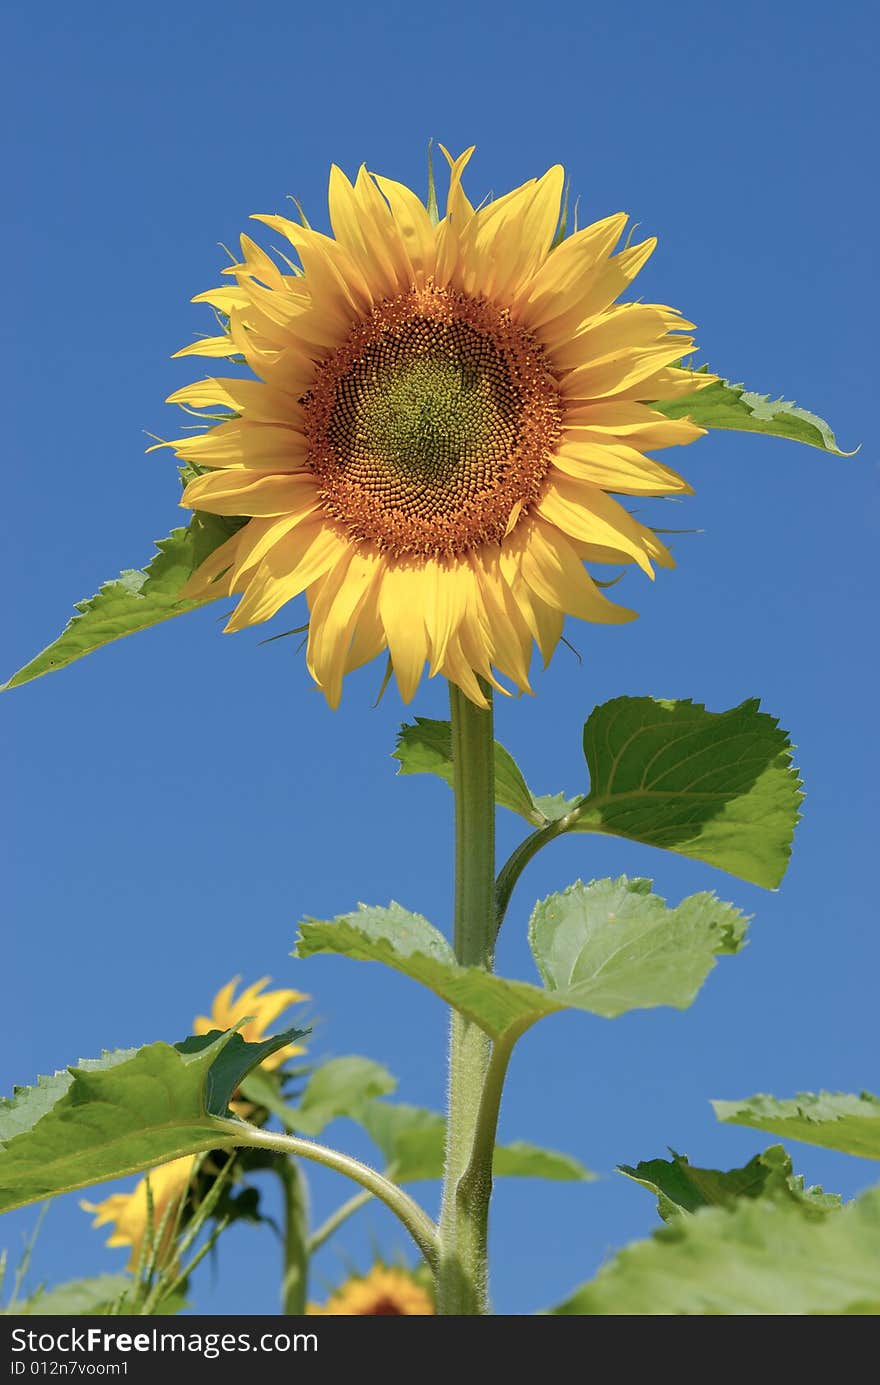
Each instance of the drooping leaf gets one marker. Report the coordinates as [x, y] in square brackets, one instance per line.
[760, 1257]
[727, 406]
[78, 1297]
[834, 1120]
[607, 947]
[413, 1142]
[340, 1087]
[136, 599]
[680, 1186]
[613, 946]
[717, 786]
[123, 1113]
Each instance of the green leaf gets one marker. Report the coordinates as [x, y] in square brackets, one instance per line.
[613, 946]
[411, 945]
[681, 1187]
[122, 1113]
[760, 1257]
[340, 1087]
[607, 947]
[426, 748]
[136, 599]
[520, 1159]
[834, 1120]
[413, 1142]
[726, 406]
[716, 786]
[263, 1089]
[78, 1297]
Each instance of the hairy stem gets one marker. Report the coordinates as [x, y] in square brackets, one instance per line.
[462, 1287]
[295, 1280]
[405, 1208]
[475, 1184]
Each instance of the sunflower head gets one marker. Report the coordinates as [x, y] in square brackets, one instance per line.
[438, 418]
[383, 1292]
[259, 1009]
[131, 1216]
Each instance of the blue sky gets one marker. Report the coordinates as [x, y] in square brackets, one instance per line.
[178, 801]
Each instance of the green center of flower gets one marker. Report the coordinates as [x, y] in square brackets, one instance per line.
[426, 417]
[432, 425]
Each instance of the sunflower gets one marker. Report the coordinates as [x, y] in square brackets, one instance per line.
[440, 413]
[130, 1212]
[259, 1009]
[383, 1292]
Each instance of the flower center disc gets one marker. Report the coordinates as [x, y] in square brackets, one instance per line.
[431, 424]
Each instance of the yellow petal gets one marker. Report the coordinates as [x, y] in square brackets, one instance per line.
[255, 540]
[369, 634]
[556, 575]
[209, 346]
[457, 668]
[623, 327]
[631, 367]
[223, 299]
[665, 384]
[401, 610]
[291, 566]
[239, 493]
[262, 403]
[617, 467]
[335, 603]
[616, 420]
[446, 592]
[241, 444]
[587, 513]
[414, 225]
[506, 630]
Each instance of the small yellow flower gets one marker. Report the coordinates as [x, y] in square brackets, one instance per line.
[169, 1182]
[383, 1292]
[263, 1010]
[129, 1212]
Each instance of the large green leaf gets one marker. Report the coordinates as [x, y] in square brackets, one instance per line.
[413, 1142]
[136, 599]
[607, 947]
[613, 946]
[681, 1187]
[122, 1113]
[425, 747]
[834, 1120]
[340, 1087]
[411, 945]
[760, 1257]
[717, 786]
[726, 406]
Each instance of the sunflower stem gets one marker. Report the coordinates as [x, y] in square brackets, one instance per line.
[462, 1277]
[295, 1279]
[338, 1218]
[521, 856]
[416, 1220]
